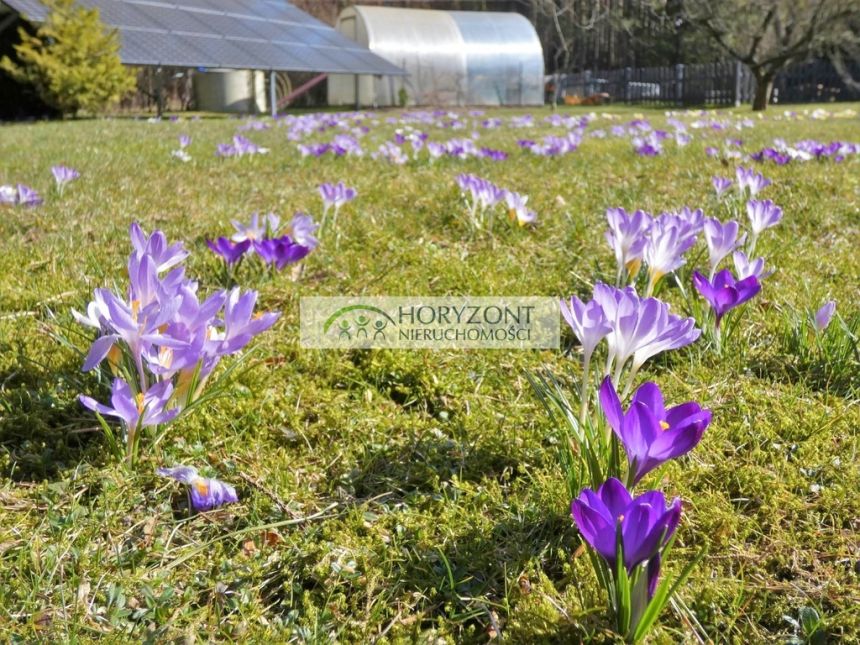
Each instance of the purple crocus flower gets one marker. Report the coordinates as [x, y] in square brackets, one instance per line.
[762, 215]
[230, 251]
[257, 229]
[721, 185]
[645, 149]
[725, 293]
[641, 328]
[63, 175]
[495, 155]
[184, 141]
[518, 208]
[204, 493]
[824, 315]
[302, 229]
[651, 434]
[744, 267]
[750, 180]
[336, 195]
[627, 235]
[645, 524]
[142, 409]
[721, 239]
[163, 255]
[588, 322]
[20, 195]
[240, 322]
[280, 251]
[670, 237]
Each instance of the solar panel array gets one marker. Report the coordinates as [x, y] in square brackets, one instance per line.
[236, 34]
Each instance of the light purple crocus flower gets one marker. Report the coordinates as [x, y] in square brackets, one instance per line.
[302, 229]
[518, 208]
[20, 195]
[824, 315]
[257, 229]
[588, 322]
[184, 141]
[670, 237]
[744, 267]
[651, 434]
[725, 293]
[63, 175]
[644, 525]
[136, 410]
[240, 322]
[750, 180]
[230, 251]
[721, 239]
[627, 235]
[721, 185]
[204, 493]
[641, 328]
[336, 195]
[163, 255]
[762, 215]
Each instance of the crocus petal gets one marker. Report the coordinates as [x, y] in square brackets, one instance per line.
[614, 496]
[184, 474]
[98, 351]
[95, 406]
[650, 395]
[611, 405]
[640, 537]
[594, 528]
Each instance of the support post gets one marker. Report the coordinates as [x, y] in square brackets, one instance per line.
[159, 92]
[679, 84]
[737, 90]
[628, 78]
[357, 97]
[273, 93]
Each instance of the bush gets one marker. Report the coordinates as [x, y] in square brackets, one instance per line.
[72, 60]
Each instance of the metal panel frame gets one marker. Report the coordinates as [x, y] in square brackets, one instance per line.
[232, 34]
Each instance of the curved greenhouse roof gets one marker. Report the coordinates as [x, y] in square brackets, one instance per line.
[452, 57]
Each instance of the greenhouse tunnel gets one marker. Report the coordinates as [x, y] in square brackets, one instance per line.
[452, 58]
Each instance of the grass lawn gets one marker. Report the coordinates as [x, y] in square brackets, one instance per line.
[403, 496]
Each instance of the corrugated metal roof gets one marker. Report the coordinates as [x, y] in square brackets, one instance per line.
[235, 34]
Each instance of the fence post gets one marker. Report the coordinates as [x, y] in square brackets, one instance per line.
[628, 77]
[679, 84]
[737, 90]
[586, 83]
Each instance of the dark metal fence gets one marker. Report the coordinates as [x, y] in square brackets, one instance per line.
[721, 83]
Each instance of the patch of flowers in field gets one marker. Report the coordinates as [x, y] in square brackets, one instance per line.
[161, 343]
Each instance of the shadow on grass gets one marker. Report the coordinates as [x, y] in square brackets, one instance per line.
[423, 465]
[43, 428]
[816, 375]
[467, 575]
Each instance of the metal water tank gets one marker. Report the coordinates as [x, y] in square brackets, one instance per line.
[230, 90]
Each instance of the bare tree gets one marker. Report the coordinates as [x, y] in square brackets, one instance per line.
[769, 35]
[566, 21]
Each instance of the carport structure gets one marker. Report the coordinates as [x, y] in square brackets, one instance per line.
[268, 35]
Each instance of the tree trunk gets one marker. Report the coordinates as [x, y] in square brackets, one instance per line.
[763, 88]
